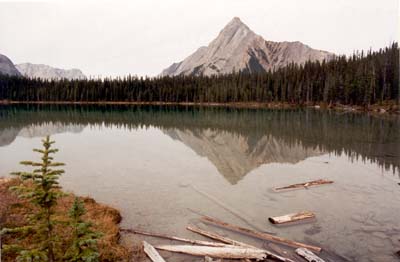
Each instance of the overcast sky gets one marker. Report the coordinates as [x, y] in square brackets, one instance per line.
[142, 37]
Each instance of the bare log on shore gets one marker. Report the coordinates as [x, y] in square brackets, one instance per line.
[216, 252]
[291, 217]
[308, 255]
[318, 182]
[236, 243]
[259, 235]
[152, 252]
[194, 242]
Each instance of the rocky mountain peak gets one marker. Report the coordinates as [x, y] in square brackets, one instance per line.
[234, 25]
[237, 47]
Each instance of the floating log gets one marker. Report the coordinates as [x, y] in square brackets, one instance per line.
[291, 217]
[259, 235]
[152, 252]
[308, 255]
[235, 243]
[216, 252]
[318, 182]
[194, 242]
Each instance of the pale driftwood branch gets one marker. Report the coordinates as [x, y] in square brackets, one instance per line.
[216, 252]
[224, 206]
[194, 242]
[291, 217]
[318, 182]
[235, 243]
[308, 255]
[259, 235]
[152, 252]
[218, 237]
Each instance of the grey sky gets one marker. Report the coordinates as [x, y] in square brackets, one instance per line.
[143, 37]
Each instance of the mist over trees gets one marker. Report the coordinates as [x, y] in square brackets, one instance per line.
[363, 79]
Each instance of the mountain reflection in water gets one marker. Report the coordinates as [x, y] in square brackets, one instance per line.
[235, 141]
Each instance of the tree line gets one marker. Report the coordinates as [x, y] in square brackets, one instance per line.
[363, 78]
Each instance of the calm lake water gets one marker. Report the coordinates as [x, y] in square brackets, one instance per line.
[161, 166]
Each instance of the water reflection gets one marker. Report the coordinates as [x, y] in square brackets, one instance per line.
[236, 141]
[145, 161]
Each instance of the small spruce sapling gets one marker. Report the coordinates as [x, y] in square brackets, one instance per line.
[42, 192]
[84, 240]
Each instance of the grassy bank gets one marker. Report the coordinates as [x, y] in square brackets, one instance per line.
[105, 219]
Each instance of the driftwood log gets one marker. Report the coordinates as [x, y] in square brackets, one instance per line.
[216, 252]
[291, 217]
[190, 241]
[259, 235]
[236, 243]
[152, 252]
[318, 182]
[308, 255]
[218, 237]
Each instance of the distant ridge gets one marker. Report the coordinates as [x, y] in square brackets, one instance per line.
[237, 47]
[48, 72]
[7, 66]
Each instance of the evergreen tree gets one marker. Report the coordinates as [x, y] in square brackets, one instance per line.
[40, 188]
[84, 241]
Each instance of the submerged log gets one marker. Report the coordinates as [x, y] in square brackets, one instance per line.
[225, 206]
[318, 182]
[291, 217]
[308, 255]
[194, 242]
[259, 235]
[398, 253]
[218, 237]
[152, 252]
[216, 252]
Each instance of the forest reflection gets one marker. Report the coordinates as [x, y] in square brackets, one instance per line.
[235, 140]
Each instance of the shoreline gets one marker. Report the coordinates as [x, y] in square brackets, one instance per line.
[105, 219]
[389, 107]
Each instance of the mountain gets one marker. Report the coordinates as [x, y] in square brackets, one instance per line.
[238, 48]
[7, 67]
[48, 72]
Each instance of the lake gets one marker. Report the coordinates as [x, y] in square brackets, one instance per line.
[162, 166]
